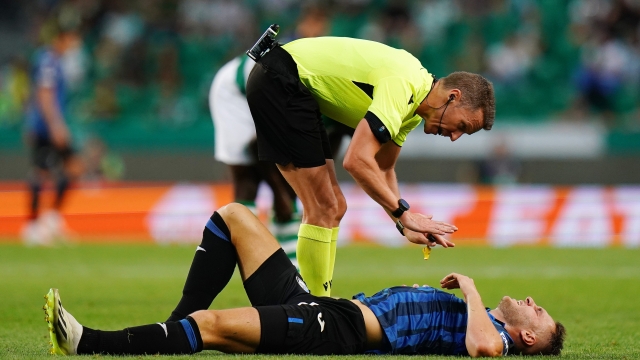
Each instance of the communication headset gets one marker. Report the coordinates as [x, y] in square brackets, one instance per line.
[451, 98]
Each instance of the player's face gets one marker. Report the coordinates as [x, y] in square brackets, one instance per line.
[526, 314]
[456, 122]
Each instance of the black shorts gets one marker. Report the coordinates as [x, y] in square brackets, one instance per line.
[289, 126]
[292, 321]
[46, 156]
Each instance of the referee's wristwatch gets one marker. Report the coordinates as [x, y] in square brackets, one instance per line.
[403, 206]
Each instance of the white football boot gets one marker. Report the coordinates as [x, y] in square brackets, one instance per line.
[65, 332]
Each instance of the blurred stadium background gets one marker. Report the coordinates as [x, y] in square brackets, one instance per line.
[561, 166]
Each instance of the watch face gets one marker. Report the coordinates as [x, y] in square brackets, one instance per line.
[403, 204]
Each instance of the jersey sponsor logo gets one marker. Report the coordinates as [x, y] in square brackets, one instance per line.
[410, 100]
[321, 322]
[302, 284]
[164, 327]
[200, 248]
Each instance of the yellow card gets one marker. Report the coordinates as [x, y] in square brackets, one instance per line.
[426, 251]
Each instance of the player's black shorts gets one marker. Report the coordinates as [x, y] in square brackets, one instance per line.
[289, 127]
[46, 156]
[292, 321]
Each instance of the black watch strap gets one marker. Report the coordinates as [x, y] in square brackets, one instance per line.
[403, 206]
[400, 227]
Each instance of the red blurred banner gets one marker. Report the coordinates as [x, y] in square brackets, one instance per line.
[499, 216]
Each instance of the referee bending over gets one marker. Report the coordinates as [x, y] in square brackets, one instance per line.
[381, 92]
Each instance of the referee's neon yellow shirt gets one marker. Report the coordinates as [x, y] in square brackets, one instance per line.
[349, 77]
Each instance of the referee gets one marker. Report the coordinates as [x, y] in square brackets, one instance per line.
[381, 92]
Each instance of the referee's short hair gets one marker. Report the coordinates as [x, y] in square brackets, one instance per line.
[477, 93]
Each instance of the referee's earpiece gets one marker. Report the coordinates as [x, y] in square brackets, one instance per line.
[452, 97]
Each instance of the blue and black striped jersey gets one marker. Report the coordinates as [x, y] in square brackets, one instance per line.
[47, 73]
[423, 321]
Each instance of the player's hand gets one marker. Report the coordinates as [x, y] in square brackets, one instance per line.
[458, 281]
[423, 224]
[426, 239]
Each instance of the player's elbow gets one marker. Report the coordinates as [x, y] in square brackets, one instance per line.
[485, 349]
[485, 353]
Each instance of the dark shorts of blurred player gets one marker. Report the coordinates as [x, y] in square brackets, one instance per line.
[45, 156]
[60, 165]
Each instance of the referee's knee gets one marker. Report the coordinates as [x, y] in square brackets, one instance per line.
[323, 212]
[342, 207]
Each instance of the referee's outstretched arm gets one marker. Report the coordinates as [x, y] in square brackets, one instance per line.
[372, 165]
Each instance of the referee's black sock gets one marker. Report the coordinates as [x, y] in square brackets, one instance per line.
[211, 269]
[172, 337]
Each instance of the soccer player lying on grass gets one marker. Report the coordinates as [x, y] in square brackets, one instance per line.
[287, 319]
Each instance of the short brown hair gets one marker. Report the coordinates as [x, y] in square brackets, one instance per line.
[557, 340]
[477, 93]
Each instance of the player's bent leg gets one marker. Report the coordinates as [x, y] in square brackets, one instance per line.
[253, 242]
[213, 265]
[230, 331]
[233, 235]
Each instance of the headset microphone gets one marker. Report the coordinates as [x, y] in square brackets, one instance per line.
[451, 98]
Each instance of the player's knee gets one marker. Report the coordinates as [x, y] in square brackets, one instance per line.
[208, 325]
[234, 211]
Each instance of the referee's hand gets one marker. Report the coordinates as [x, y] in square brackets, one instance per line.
[426, 239]
[423, 224]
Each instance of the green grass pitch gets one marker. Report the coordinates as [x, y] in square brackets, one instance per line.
[594, 292]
